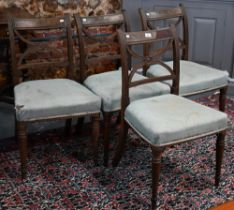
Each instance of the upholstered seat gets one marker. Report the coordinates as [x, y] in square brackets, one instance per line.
[60, 97]
[194, 77]
[108, 86]
[170, 119]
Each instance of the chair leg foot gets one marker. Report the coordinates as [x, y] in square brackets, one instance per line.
[79, 125]
[68, 126]
[106, 136]
[16, 130]
[22, 138]
[118, 120]
[222, 99]
[156, 166]
[220, 142]
[95, 137]
[23, 171]
[121, 144]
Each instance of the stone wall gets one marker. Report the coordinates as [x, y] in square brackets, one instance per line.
[42, 8]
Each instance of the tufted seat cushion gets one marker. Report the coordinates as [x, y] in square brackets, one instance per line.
[108, 86]
[170, 119]
[194, 77]
[52, 98]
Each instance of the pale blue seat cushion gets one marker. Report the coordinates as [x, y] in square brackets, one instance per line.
[194, 77]
[169, 119]
[40, 99]
[108, 86]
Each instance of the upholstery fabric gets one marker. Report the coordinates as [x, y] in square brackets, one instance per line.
[194, 77]
[55, 97]
[169, 118]
[108, 86]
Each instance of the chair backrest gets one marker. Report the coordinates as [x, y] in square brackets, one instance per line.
[40, 46]
[176, 15]
[100, 31]
[129, 39]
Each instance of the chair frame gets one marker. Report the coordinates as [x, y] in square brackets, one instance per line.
[127, 40]
[179, 12]
[82, 24]
[16, 27]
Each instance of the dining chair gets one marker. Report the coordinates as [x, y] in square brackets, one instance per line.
[107, 85]
[195, 78]
[36, 44]
[165, 120]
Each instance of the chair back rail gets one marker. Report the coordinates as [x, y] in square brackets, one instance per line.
[176, 16]
[93, 21]
[84, 27]
[128, 39]
[27, 47]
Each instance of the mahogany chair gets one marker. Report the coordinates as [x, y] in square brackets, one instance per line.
[107, 85]
[164, 120]
[36, 44]
[194, 78]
